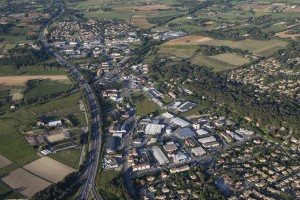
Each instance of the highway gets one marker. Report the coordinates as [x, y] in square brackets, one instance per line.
[91, 164]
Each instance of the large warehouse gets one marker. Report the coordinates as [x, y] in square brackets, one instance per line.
[159, 155]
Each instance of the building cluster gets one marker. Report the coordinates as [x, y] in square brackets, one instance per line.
[94, 38]
[270, 77]
[168, 140]
[266, 170]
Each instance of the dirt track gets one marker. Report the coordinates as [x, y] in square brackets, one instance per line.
[22, 80]
[24, 182]
[188, 40]
[284, 34]
[49, 169]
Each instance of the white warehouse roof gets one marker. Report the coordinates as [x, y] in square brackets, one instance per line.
[207, 139]
[198, 151]
[180, 122]
[153, 129]
[159, 155]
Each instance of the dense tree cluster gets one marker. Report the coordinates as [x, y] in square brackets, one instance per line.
[24, 57]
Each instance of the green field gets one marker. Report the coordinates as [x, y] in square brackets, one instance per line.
[69, 157]
[261, 47]
[37, 88]
[12, 144]
[58, 104]
[178, 52]
[108, 15]
[207, 61]
[231, 58]
[78, 119]
[144, 106]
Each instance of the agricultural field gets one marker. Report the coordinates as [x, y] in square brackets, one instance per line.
[217, 65]
[49, 169]
[7, 193]
[231, 58]
[178, 52]
[188, 40]
[68, 157]
[260, 47]
[47, 87]
[4, 161]
[56, 105]
[140, 21]
[12, 145]
[24, 182]
[22, 80]
[144, 106]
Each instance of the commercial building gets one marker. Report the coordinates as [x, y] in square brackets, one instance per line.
[159, 155]
[153, 129]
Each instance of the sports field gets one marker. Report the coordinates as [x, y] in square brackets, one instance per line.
[260, 47]
[25, 182]
[49, 169]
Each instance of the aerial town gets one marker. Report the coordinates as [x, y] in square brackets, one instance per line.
[149, 99]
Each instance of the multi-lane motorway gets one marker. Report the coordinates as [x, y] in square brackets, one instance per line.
[90, 167]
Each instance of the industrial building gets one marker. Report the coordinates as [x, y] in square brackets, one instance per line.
[198, 151]
[180, 122]
[184, 133]
[159, 155]
[207, 139]
[153, 129]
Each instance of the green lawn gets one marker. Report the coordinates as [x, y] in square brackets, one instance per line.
[37, 88]
[78, 119]
[61, 103]
[144, 106]
[261, 47]
[69, 157]
[231, 58]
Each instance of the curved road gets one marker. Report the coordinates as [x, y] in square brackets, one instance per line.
[90, 168]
